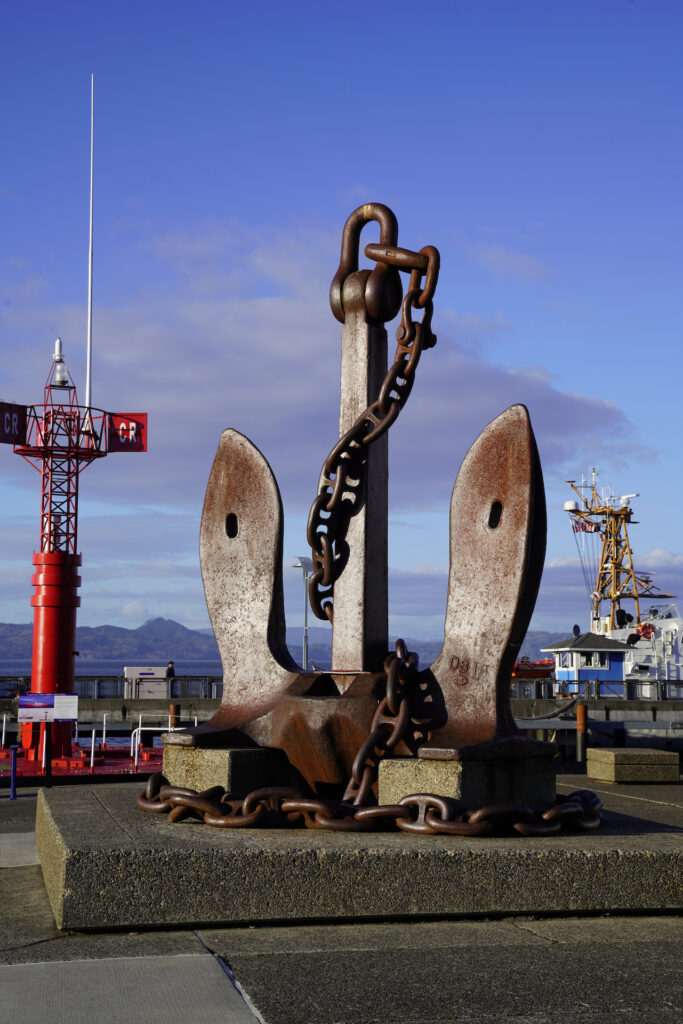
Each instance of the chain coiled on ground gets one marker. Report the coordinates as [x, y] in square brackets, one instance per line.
[341, 487]
[422, 813]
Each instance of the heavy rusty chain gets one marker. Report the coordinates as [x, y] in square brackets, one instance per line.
[389, 725]
[423, 813]
[340, 490]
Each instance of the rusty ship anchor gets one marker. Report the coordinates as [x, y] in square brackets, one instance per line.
[459, 707]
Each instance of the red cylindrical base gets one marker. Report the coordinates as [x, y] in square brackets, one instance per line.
[54, 642]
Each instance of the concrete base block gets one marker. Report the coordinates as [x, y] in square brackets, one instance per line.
[237, 769]
[526, 780]
[632, 764]
[107, 864]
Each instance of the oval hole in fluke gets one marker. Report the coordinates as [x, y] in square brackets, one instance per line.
[231, 526]
[495, 514]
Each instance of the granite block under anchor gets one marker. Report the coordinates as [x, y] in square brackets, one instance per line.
[238, 769]
[524, 780]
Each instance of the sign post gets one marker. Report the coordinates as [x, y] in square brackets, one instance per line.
[48, 707]
[13, 771]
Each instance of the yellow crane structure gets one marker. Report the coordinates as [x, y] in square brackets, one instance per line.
[608, 567]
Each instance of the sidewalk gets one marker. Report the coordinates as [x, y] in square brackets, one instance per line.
[523, 970]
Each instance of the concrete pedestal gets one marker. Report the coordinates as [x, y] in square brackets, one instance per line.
[107, 864]
[238, 769]
[635, 764]
[524, 780]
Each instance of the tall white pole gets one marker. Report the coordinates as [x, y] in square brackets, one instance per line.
[92, 150]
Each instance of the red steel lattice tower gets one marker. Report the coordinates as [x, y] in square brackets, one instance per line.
[60, 438]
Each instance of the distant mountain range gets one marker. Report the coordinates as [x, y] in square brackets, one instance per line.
[158, 640]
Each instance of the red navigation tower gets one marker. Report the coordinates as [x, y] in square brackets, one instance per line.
[60, 438]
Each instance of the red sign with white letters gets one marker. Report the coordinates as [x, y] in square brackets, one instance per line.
[127, 432]
[12, 423]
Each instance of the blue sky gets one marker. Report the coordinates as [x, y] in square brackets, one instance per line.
[537, 144]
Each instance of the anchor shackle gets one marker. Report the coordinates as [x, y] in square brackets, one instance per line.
[424, 263]
[383, 290]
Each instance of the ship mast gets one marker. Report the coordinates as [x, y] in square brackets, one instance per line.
[617, 580]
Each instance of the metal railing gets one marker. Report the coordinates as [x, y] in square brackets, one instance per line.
[179, 687]
[532, 689]
[113, 687]
[136, 735]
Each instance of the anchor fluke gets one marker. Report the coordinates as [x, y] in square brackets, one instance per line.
[497, 547]
[240, 552]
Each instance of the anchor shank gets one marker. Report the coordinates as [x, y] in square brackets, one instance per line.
[360, 631]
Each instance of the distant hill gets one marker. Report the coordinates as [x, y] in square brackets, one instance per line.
[157, 640]
[15, 640]
[536, 639]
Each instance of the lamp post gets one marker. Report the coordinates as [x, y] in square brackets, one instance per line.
[306, 565]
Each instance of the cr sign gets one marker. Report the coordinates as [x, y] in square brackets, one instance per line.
[12, 423]
[127, 432]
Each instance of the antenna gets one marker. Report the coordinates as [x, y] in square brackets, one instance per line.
[88, 371]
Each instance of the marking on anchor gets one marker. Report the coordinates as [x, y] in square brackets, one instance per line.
[461, 669]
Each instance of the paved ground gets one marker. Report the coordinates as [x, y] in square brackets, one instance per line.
[520, 970]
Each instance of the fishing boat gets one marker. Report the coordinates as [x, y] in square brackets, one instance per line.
[626, 605]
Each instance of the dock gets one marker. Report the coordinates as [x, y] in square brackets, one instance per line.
[493, 967]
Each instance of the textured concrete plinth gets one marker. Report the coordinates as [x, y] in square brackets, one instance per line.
[526, 780]
[108, 865]
[237, 769]
[633, 764]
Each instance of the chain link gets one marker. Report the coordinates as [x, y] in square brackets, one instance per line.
[342, 480]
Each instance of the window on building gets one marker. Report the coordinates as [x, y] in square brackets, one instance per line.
[594, 659]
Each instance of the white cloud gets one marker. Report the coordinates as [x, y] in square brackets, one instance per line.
[265, 360]
[509, 262]
[134, 610]
[233, 328]
[659, 558]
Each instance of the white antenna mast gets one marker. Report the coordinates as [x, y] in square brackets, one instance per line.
[88, 371]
